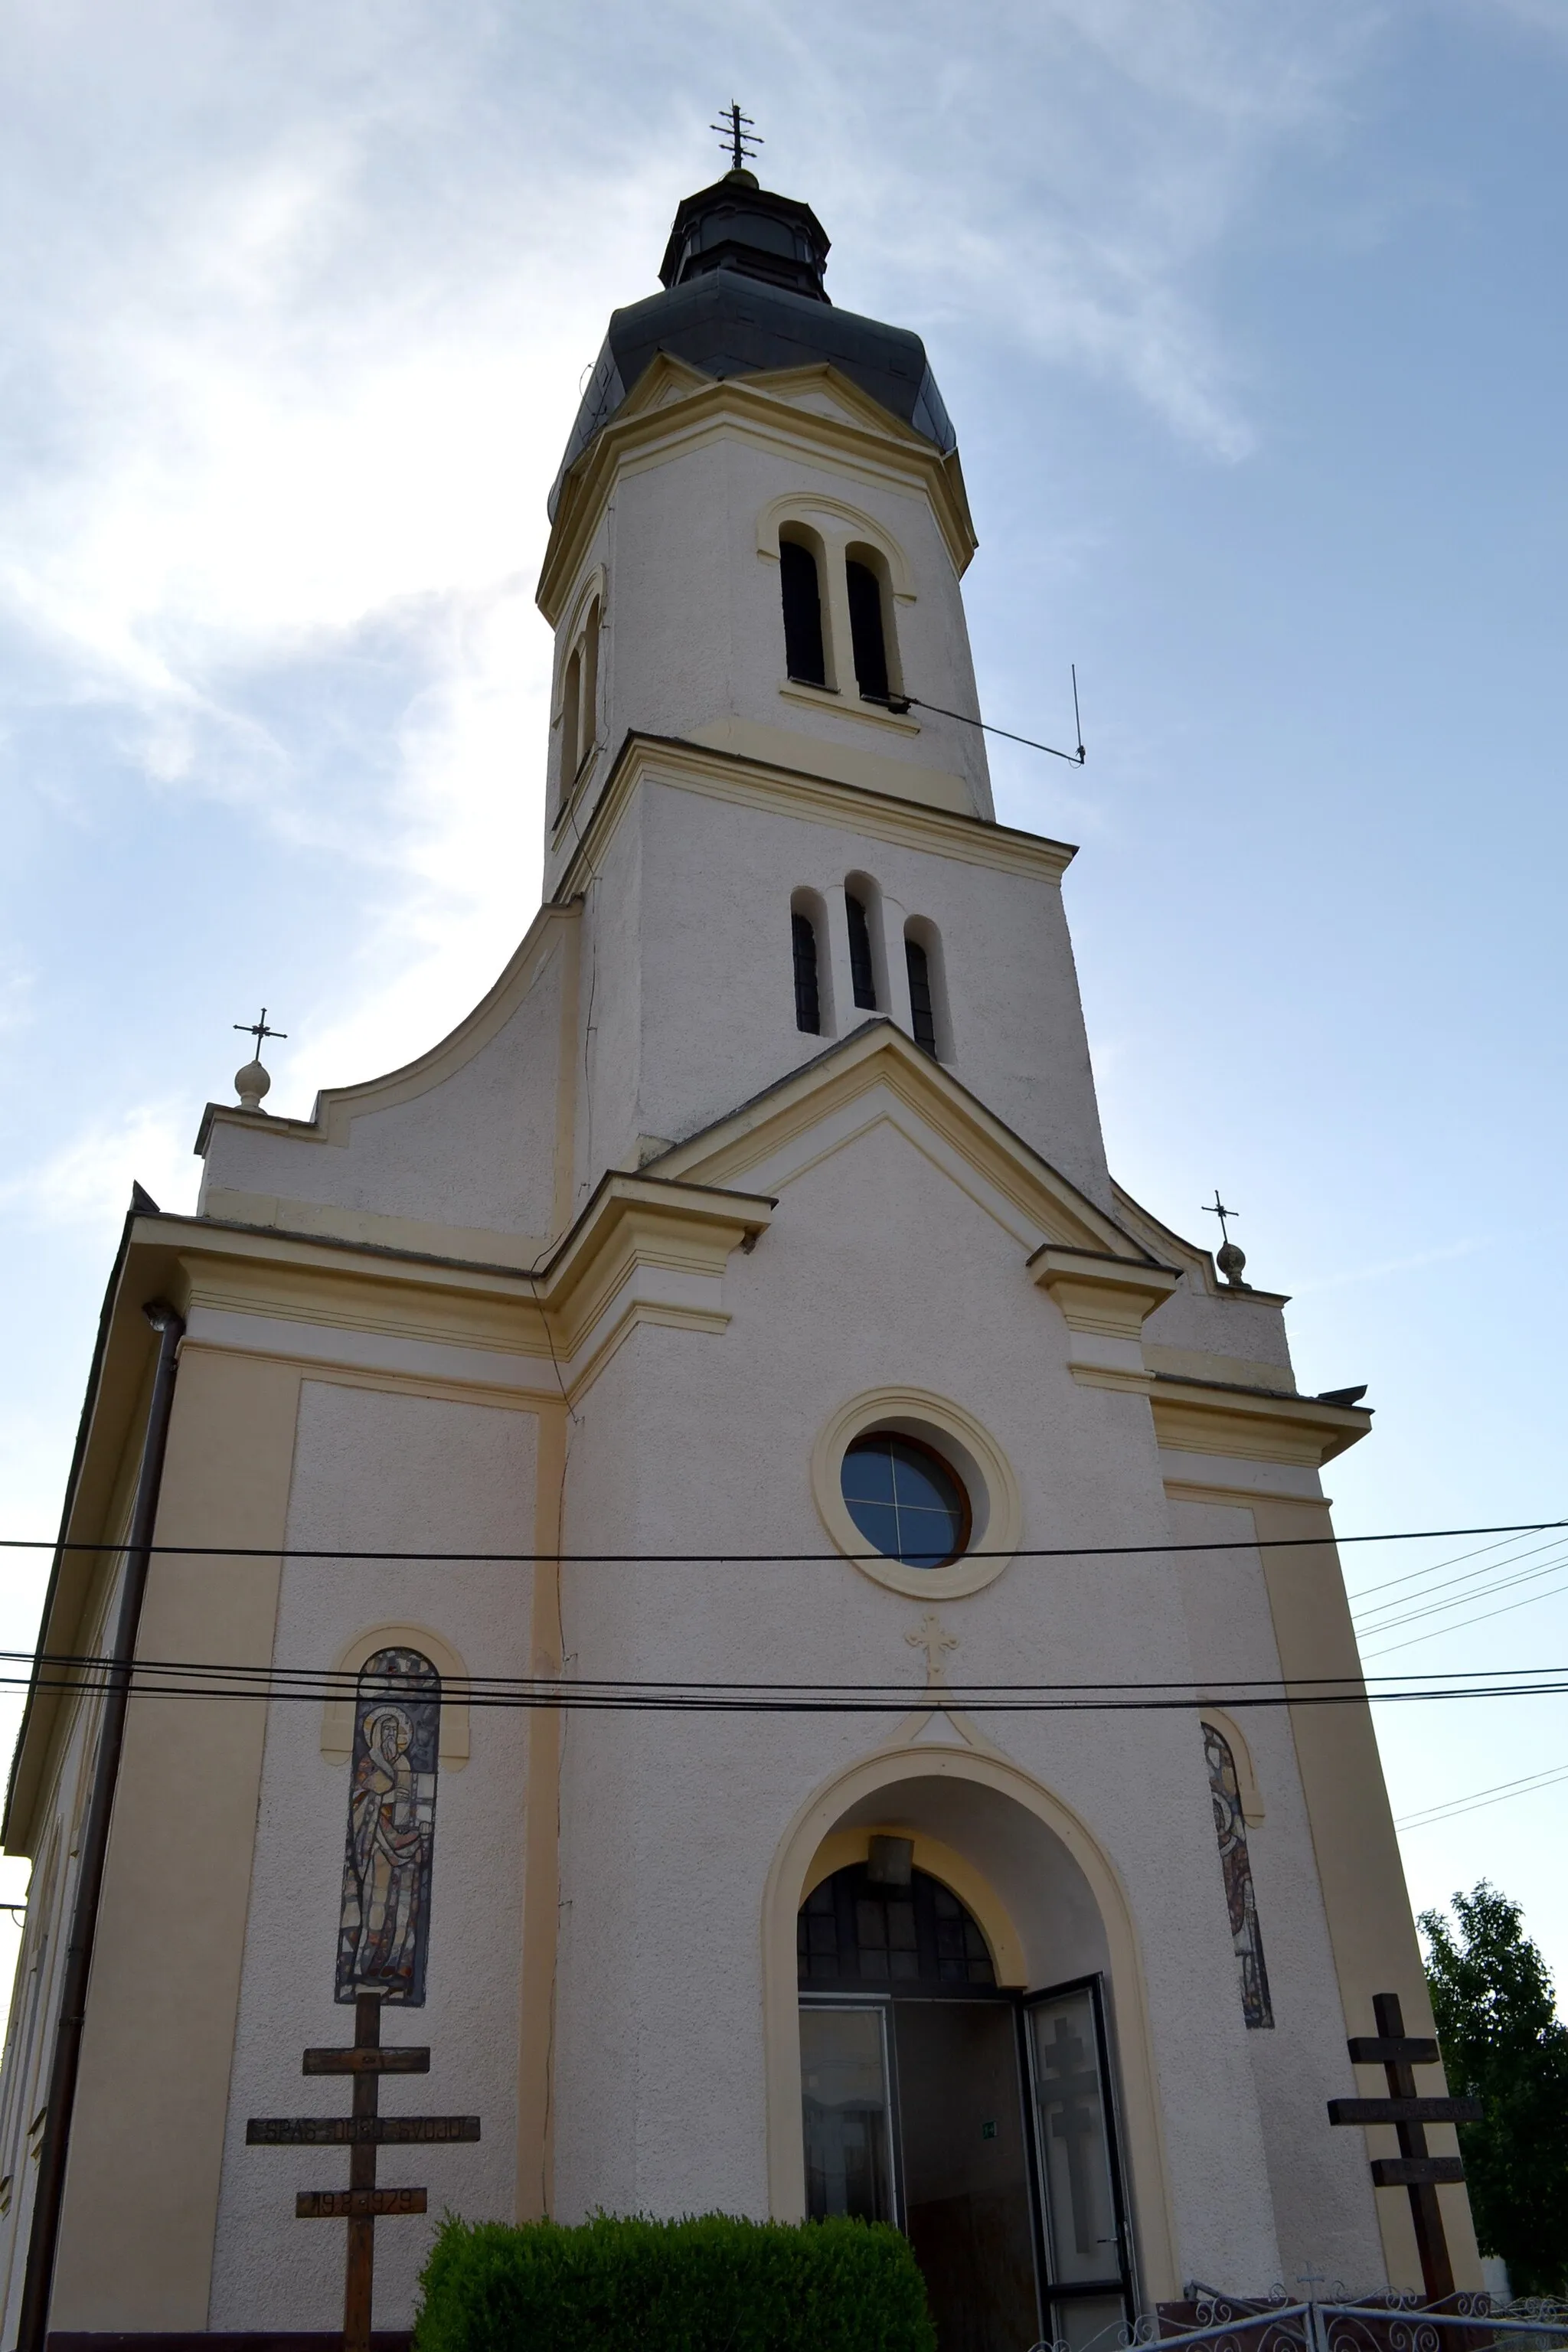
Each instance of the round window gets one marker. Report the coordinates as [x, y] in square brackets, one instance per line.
[905, 1500]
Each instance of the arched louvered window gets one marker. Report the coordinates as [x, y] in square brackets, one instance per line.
[804, 657]
[588, 722]
[862, 971]
[929, 1022]
[571, 716]
[807, 991]
[922, 1015]
[865, 630]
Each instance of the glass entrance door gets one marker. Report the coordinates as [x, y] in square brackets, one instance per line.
[976, 2119]
[1087, 2265]
[968, 2204]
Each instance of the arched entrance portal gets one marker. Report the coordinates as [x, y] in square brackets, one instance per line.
[973, 2114]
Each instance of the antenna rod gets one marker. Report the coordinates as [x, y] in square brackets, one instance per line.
[1075, 758]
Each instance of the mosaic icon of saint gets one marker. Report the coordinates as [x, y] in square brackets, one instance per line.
[384, 1926]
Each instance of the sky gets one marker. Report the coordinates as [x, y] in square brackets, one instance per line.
[1250, 315]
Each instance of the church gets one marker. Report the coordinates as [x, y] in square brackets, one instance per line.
[691, 1552]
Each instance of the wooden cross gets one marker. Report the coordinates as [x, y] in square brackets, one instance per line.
[362, 2132]
[1399, 2054]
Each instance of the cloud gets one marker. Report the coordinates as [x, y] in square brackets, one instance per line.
[308, 295]
[87, 1182]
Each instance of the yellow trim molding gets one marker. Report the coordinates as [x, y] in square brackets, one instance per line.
[1152, 2210]
[1097, 1293]
[685, 766]
[668, 413]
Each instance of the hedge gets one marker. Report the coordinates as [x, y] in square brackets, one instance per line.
[708, 2283]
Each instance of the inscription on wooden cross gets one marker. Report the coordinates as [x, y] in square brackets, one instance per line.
[362, 2132]
[1399, 2054]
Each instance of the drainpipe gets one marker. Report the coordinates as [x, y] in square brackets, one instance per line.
[49, 2196]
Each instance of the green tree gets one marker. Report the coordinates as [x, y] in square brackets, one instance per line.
[1504, 2044]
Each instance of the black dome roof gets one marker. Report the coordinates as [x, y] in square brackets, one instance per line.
[743, 293]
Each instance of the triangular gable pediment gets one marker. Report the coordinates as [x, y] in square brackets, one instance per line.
[878, 1076]
[822, 390]
[664, 381]
[819, 390]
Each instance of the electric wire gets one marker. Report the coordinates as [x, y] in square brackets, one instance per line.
[776, 1559]
[1472, 1576]
[1433, 1567]
[1501, 1792]
[1438, 1631]
[81, 1673]
[1374, 1623]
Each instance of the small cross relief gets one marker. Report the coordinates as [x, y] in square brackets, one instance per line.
[932, 1636]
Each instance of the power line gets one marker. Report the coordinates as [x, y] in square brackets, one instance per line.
[1433, 1567]
[1479, 1619]
[777, 1559]
[1501, 1792]
[1494, 1582]
[1493, 1569]
[206, 1680]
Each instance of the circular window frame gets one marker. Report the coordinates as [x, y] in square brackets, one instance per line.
[949, 1472]
[971, 1454]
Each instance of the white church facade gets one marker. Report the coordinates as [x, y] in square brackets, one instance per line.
[737, 1308]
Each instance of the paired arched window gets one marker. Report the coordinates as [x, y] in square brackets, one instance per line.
[580, 700]
[805, 657]
[811, 657]
[869, 631]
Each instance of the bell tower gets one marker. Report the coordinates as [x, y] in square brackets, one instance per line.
[743, 451]
[759, 528]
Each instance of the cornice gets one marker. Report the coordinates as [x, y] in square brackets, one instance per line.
[1100, 1293]
[629, 1221]
[648, 435]
[792, 791]
[1216, 1417]
[644, 1249]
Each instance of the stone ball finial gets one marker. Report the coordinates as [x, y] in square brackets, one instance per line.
[1230, 1261]
[250, 1083]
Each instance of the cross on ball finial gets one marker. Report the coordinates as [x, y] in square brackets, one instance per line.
[258, 1030]
[253, 1081]
[1229, 1259]
[738, 133]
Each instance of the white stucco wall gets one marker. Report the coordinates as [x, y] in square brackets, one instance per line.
[474, 1148]
[878, 1268]
[380, 1469]
[687, 978]
[694, 635]
[1317, 2174]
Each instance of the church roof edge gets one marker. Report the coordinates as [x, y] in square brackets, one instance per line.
[744, 294]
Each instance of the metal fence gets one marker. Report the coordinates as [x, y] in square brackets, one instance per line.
[1461, 2323]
